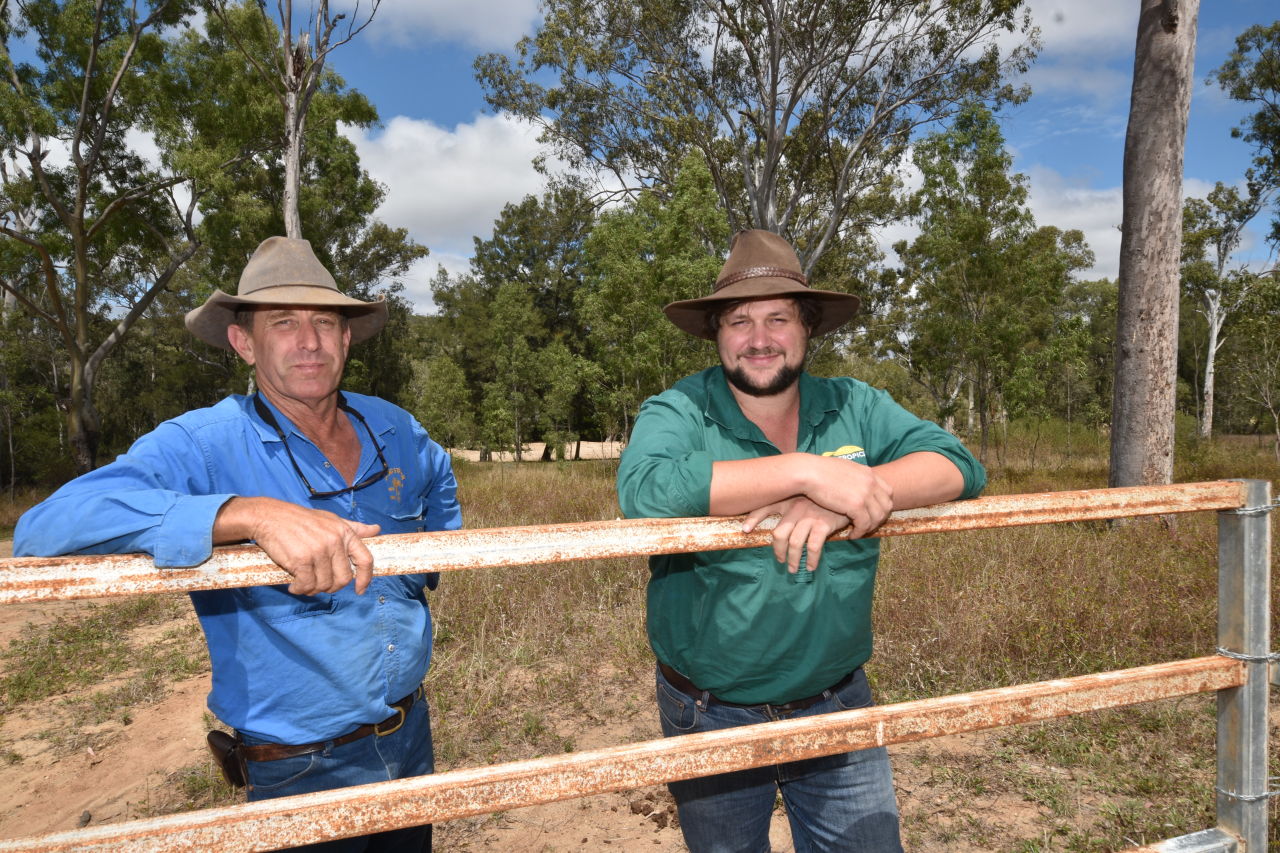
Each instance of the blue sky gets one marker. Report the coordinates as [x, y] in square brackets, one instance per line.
[450, 164]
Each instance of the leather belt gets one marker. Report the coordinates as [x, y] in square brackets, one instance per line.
[276, 751]
[696, 693]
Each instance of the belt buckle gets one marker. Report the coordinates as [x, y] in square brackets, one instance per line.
[380, 732]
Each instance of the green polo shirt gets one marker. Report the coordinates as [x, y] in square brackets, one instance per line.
[735, 622]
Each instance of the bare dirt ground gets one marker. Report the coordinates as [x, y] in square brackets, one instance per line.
[129, 769]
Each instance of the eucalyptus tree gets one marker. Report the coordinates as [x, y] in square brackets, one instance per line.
[1253, 359]
[439, 398]
[801, 109]
[1251, 75]
[294, 71]
[1150, 236]
[102, 231]
[645, 254]
[534, 254]
[985, 282]
[1212, 229]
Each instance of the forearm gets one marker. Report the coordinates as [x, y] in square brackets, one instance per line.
[917, 479]
[921, 479]
[236, 519]
[172, 528]
[742, 485]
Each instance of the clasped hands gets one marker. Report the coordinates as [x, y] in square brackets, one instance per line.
[851, 496]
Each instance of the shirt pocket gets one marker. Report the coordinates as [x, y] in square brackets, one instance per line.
[397, 517]
[730, 568]
[275, 604]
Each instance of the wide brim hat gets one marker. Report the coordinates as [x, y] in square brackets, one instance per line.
[283, 271]
[761, 265]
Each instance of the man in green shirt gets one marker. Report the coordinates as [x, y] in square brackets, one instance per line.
[747, 636]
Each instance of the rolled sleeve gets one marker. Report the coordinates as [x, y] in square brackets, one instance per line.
[184, 536]
[896, 432]
[661, 474]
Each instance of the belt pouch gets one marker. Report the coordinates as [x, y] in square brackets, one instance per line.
[226, 751]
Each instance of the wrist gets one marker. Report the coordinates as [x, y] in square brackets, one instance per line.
[236, 519]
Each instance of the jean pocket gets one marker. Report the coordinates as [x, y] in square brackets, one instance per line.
[855, 694]
[679, 712]
[273, 778]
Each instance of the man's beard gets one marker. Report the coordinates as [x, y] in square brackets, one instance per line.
[781, 381]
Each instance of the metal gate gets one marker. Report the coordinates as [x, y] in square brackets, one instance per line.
[1238, 672]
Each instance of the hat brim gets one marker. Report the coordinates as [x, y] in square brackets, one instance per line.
[690, 315]
[209, 322]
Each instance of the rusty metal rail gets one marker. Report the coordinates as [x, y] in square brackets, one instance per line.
[45, 579]
[347, 812]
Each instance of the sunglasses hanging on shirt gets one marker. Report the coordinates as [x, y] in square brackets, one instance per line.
[270, 420]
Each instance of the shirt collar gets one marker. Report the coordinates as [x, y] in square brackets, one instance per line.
[816, 402]
[373, 416]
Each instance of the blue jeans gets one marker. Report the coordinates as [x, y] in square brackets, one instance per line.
[403, 753]
[834, 803]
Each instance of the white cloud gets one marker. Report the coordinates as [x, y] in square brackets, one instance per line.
[448, 185]
[1067, 204]
[1086, 49]
[1085, 27]
[483, 24]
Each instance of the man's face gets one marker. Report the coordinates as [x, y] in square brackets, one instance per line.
[299, 352]
[762, 346]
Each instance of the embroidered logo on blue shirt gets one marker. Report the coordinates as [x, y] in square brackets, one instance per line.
[395, 482]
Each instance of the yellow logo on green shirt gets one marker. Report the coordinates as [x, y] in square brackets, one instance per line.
[848, 451]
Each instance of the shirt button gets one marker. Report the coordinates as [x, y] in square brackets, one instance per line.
[391, 647]
[326, 465]
[382, 599]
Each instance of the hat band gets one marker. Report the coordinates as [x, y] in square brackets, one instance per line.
[762, 272]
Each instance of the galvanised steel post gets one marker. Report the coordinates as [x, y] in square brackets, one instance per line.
[1244, 632]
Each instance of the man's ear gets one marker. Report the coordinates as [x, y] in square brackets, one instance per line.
[241, 341]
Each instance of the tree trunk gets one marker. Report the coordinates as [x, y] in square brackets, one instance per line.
[293, 124]
[82, 420]
[1214, 314]
[1150, 245]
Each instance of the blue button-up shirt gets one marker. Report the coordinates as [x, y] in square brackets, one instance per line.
[286, 668]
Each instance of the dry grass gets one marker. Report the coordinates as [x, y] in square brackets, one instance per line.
[518, 650]
[955, 612]
[14, 504]
[527, 657]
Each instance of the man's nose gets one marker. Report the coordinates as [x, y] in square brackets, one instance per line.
[308, 337]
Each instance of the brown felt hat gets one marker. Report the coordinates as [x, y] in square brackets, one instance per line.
[761, 265]
[284, 272]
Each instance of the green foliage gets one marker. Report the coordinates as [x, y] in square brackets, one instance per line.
[439, 399]
[1252, 363]
[644, 255]
[1212, 229]
[100, 255]
[799, 117]
[1251, 74]
[512, 324]
[986, 285]
[104, 233]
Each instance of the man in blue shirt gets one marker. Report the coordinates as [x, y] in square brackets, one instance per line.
[322, 678]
